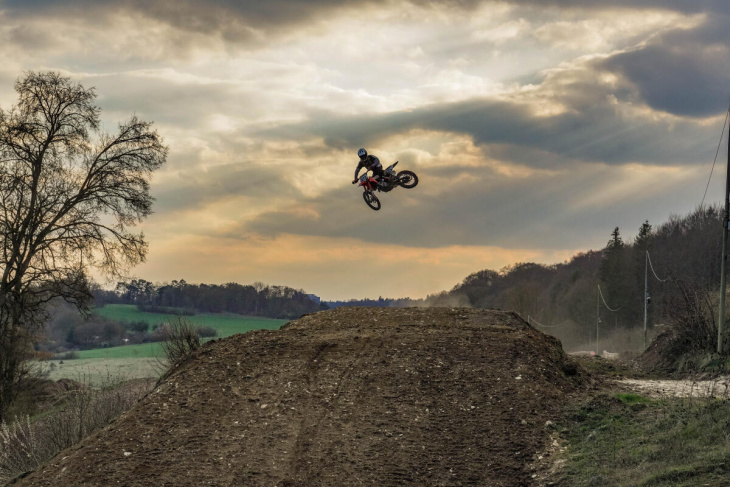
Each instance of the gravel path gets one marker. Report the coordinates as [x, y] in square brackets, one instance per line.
[718, 387]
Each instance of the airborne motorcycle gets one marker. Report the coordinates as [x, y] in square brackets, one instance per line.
[405, 179]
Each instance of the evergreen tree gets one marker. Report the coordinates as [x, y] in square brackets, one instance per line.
[643, 241]
[612, 260]
[614, 278]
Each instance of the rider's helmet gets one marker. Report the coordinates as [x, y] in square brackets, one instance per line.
[362, 153]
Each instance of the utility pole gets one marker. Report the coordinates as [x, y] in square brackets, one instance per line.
[598, 313]
[723, 265]
[646, 291]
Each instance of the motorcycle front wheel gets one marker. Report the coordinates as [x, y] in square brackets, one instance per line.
[407, 179]
[371, 200]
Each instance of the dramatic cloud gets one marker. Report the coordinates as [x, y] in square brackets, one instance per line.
[492, 206]
[597, 131]
[536, 126]
[683, 78]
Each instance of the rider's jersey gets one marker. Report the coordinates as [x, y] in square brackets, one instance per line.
[370, 162]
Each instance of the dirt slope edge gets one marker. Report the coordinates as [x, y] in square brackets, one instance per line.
[352, 396]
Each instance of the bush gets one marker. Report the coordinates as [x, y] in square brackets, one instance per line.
[207, 332]
[136, 338]
[97, 332]
[158, 333]
[139, 326]
[180, 338]
[690, 343]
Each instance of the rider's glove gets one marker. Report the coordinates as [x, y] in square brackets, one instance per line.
[354, 181]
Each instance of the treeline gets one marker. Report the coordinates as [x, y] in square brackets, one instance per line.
[683, 252]
[254, 300]
[375, 303]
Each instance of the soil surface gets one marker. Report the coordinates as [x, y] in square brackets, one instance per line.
[352, 396]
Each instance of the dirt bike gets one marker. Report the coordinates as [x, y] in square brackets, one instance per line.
[390, 180]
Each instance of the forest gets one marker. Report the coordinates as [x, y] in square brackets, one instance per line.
[679, 261]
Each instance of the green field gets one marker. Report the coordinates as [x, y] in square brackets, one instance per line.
[225, 324]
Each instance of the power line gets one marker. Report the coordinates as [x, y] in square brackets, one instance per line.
[545, 326]
[604, 301]
[651, 266]
[722, 134]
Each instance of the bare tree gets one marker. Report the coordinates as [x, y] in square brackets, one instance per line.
[69, 195]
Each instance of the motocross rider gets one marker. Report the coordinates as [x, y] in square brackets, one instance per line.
[369, 162]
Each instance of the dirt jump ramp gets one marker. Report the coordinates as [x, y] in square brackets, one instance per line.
[348, 397]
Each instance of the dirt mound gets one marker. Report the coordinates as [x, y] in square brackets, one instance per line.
[353, 396]
[676, 352]
[662, 354]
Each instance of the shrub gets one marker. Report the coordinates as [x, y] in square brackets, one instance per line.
[139, 326]
[207, 332]
[180, 338]
[690, 344]
[158, 333]
[97, 332]
[694, 323]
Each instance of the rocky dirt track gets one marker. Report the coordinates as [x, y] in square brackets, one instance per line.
[352, 396]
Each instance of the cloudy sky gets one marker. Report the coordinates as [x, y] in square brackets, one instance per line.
[535, 127]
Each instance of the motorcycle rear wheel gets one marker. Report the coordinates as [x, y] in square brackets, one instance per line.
[407, 179]
[371, 200]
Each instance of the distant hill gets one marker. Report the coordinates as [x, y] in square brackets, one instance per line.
[684, 256]
[562, 298]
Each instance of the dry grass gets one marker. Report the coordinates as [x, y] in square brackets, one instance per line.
[22, 448]
[27, 444]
